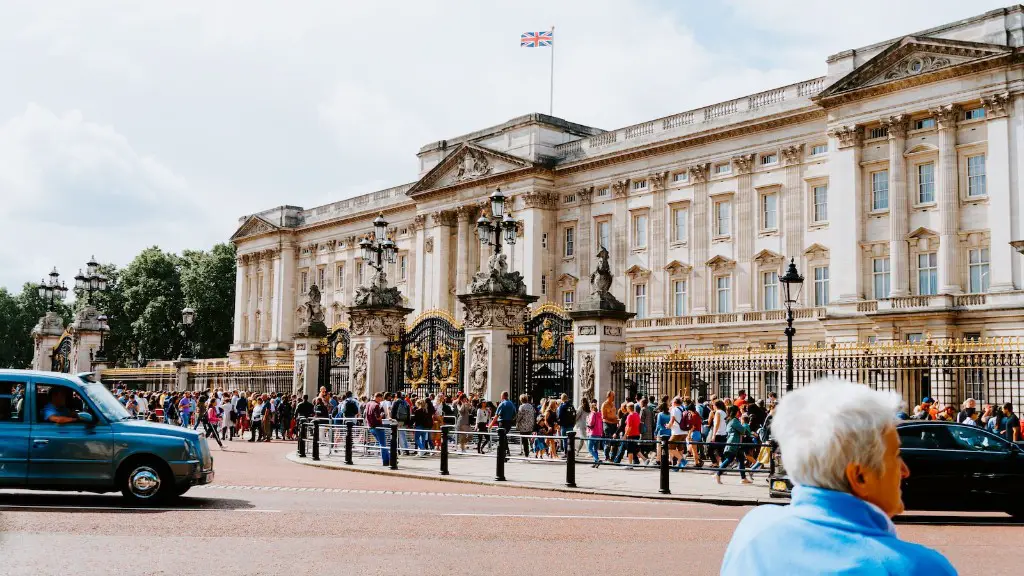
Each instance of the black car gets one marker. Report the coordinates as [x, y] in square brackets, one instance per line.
[952, 467]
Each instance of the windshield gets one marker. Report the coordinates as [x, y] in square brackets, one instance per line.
[105, 402]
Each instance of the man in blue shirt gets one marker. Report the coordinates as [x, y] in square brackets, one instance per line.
[506, 412]
[841, 449]
[56, 410]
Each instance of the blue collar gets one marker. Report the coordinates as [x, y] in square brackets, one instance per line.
[840, 509]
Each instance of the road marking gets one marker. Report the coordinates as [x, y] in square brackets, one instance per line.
[131, 508]
[587, 517]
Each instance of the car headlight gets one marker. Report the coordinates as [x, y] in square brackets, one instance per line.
[193, 451]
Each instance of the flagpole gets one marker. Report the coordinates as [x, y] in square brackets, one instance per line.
[551, 101]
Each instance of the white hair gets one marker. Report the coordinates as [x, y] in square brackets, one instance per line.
[823, 427]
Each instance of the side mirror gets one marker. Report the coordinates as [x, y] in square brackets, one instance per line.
[86, 418]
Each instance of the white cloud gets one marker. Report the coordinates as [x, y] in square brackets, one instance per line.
[126, 124]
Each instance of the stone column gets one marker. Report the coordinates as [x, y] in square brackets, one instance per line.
[282, 310]
[600, 339]
[621, 224]
[899, 220]
[490, 319]
[266, 317]
[86, 334]
[792, 202]
[658, 244]
[250, 298]
[45, 335]
[997, 185]
[422, 272]
[307, 366]
[462, 214]
[241, 269]
[701, 238]
[440, 277]
[947, 187]
[845, 209]
[536, 216]
[584, 241]
[182, 370]
[371, 330]
[747, 217]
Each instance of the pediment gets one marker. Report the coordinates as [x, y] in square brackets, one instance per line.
[914, 59]
[253, 226]
[567, 281]
[816, 251]
[921, 232]
[636, 271]
[676, 268]
[767, 256]
[468, 162]
[720, 262]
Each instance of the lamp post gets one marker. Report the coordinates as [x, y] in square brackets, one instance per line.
[792, 284]
[91, 281]
[498, 221]
[52, 290]
[378, 248]
[101, 354]
[188, 317]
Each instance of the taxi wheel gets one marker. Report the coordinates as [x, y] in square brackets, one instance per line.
[146, 481]
[181, 489]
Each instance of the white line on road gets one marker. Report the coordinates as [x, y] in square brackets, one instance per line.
[131, 509]
[588, 517]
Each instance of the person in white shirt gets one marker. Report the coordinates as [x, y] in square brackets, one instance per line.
[677, 436]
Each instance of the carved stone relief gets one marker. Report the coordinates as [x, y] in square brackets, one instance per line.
[587, 374]
[478, 367]
[359, 361]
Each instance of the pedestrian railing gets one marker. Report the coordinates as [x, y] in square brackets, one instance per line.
[323, 438]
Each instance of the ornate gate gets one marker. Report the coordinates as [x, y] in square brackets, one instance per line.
[61, 361]
[542, 355]
[427, 358]
[334, 352]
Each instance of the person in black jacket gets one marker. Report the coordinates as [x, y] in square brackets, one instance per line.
[284, 419]
[305, 408]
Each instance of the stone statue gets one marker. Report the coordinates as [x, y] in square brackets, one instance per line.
[358, 386]
[377, 293]
[478, 368]
[587, 375]
[313, 324]
[497, 279]
[474, 164]
[600, 284]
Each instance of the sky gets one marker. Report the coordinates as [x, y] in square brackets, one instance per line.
[127, 124]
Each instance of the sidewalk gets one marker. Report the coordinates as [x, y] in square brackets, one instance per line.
[550, 475]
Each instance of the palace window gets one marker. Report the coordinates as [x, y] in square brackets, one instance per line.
[770, 290]
[820, 197]
[543, 284]
[723, 294]
[880, 190]
[304, 282]
[403, 267]
[723, 218]
[679, 298]
[976, 175]
[544, 240]
[567, 299]
[570, 241]
[927, 274]
[359, 273]
[924, 123]
[604, 235]
[640, 231]
[878, 132]
[769, 211]
[679, 218]
[769, 159]
[639, 185]
[259, 288]
[640, 300]
[680, 177]
[821, 286]
[603, 191]
[974, 114]
[925, 183]
[915, 338]
[880, 277]
[819, 149]
[723, 168]
[978, 264]
[321, 274]
[341, 277]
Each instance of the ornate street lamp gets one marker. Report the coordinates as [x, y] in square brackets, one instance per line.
[498, 221]
[92, 280]
[378, 248]
[52, 290]
[188, 318]
[792, 285]
[101, 354]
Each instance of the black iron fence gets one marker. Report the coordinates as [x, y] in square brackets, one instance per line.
[950, 371]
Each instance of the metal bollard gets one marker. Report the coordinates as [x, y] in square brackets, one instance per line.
[664, 466]
[444, 450]
[773, 446]
[316, 439]
[570, 459]
[302, 437]
[348, 441]
[394, 445]
[499, 473]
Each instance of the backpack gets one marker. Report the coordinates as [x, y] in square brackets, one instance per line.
[568, 417]
[402, 412]
[351, 410]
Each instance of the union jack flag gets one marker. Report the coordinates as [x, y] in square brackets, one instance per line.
[535, 39]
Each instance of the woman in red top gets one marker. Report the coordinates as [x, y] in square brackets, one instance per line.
[632, 433]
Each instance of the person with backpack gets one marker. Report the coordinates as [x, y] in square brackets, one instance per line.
[284, 419]
[402, 413]
[566, 419]
[350, 406]
[374, 414]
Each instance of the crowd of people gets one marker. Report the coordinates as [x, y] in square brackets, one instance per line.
[998, 419]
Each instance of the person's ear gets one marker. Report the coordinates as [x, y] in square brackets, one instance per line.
[856, 478]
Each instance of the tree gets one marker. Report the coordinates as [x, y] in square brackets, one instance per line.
[18, 315]
[117, 347]
[208, 286]
[152, 301]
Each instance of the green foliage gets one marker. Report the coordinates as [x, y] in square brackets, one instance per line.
[18, 315]
[208, 286]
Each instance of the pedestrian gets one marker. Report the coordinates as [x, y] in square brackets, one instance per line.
[227, 418]
[506, 413]
[212, 418]
[736, 430]
[610, 421]
[718, 433]
[1011, 426]
[526, 422]
[185, 409]
[582, 418]
[595, 428]
[962, 415]
[284, 419]
[647, 417]
[551, 424]
[256, 421]
[566, 415]
[661, 427]
[483, 438]
[423, 423]
[401, 412]
[374, 415]
[843, 454]
[678, 432]
[463, 417]
[631, 433]
[694, 427]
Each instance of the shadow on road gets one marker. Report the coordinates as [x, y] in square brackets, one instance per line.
[111, 503]
[957, 520]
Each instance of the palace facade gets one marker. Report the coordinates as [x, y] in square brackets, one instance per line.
[894, 181]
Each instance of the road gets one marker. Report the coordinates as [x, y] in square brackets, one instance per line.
[265, 515]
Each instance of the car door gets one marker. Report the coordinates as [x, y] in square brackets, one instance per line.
[14, 431]
[991, 466]
[925, 450]
[71, 454]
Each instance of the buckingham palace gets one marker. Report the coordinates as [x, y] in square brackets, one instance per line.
[893, 180]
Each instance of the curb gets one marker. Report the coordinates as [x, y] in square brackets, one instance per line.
[717, 500]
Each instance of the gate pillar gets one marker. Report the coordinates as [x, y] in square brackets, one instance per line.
[45, 335]
[87, 335]
[490, 319]
[306, 375]
[371, 329]
[600, 324]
